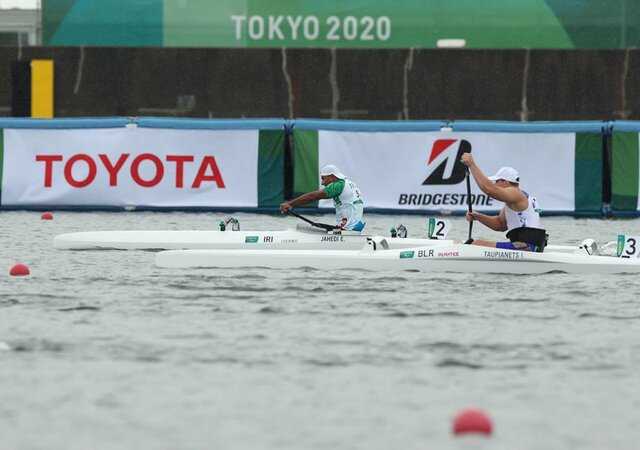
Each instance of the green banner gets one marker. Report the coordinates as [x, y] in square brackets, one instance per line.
[112, 23]
[271, 168]
[340, 24]
[588, 173]
[624, 171]
[306, 173]
[1, 160]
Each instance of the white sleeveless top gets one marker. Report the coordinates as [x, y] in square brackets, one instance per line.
[527, 218]
[348, 201]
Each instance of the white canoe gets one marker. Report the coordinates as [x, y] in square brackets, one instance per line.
[445, 257]
[302, 238]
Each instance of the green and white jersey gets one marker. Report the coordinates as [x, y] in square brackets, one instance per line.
[348, 201]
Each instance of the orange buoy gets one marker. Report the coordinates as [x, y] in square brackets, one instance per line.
[46, 216]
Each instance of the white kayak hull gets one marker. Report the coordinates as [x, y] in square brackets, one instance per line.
[436, 258]
[211, 239]
[302, 238]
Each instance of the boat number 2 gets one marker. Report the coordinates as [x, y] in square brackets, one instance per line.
[438, 228]
[628, 246]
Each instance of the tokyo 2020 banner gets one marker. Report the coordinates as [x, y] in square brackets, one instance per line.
[349, 24]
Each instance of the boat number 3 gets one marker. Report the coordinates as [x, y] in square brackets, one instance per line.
[628, 246]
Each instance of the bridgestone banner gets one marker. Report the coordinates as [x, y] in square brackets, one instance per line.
[142, 167]
[422, 170]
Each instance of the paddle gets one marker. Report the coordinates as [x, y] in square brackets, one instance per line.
[315, 224]
[466, 168]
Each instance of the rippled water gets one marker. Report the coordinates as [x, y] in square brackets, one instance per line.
[102, 350]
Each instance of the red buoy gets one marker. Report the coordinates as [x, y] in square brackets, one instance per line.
[46, 216]
[472, 420]
[18, 270]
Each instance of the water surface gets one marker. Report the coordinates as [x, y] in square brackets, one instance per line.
[102, 350]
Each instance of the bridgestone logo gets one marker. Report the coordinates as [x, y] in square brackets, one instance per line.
[445, 156]
[444, 199]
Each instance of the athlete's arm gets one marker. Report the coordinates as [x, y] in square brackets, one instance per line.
[496, 223]
[304, 198]
[511, 195]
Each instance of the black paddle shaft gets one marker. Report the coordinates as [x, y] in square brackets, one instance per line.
[469, 202]
[311, 222]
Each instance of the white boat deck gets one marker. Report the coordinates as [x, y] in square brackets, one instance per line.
[435, 258]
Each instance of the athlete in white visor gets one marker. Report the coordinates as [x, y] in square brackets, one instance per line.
[345, 194]
[520, 215]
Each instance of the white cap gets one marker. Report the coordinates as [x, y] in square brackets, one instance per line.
[506, 173]
[330, 169]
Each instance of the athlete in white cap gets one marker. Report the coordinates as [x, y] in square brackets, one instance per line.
[345, 194]
[520, 215]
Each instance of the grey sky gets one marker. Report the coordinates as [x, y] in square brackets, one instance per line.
[23, 4]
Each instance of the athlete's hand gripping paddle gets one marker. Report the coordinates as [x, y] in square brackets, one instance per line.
[469, 202]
